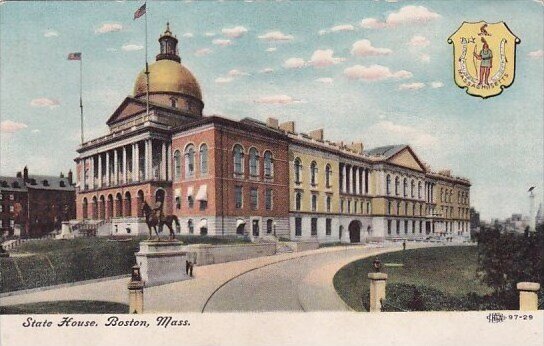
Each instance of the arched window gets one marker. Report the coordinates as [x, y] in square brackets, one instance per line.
[313, 173]
[203, 159]
[298, 170]
[419, 190]
[388, 184]
[253, 162]
[328, 175]
[189, 161]
[412, 188]
[268, 164]
[397, 184]
[298, 201]
[177, 165]
[238, 153]
[405, 187]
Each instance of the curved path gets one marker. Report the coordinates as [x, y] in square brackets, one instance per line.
[299, 281]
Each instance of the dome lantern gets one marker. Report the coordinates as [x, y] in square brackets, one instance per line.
[168, 44]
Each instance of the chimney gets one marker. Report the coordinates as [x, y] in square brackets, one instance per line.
[70, 177]
[357, 147]
[288, 126]
[317, 134]
[19, 174]
[273, 123]
[61, 175]
[25, 174]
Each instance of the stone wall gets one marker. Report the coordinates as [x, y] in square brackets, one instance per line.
[204, 254]
[298, 246]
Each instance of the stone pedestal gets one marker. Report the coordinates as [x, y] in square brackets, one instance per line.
[136, 297]
[377, 290]
[528, 297]
[161, 262]
[65, 231]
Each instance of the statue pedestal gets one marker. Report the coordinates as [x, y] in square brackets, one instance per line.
[161, 262]
[65, 231]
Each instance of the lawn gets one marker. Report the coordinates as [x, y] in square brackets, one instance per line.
[66, 307]
[445, 275]
[39, 263]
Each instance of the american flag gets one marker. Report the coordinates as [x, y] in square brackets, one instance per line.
[140, 12]
[74, 56]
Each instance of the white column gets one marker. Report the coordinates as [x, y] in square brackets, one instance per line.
[125, 170]
[100, 170]
[91, 174]
[137, 162]
[108, 177]
[344, 178]
[357, 178]
[116, 167]
[163, 161]
[169, 174]
[146, 160]
[363, 181]
[348, 174]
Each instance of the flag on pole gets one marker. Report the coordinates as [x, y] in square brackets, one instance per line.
[140, 12]
[74, 56]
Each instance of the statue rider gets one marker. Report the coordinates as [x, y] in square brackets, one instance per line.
[158, 209]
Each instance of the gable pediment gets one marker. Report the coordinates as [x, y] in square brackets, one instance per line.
[407, 158]
[128, 108]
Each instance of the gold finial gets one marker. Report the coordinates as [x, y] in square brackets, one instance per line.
[167, 28]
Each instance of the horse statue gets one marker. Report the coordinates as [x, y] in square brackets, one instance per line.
[157, 223]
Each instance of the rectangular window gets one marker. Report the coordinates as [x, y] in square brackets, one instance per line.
[268, 199]
[190, 202]
[238, 197]
[314, 227]
[11, 197]
[405, 226]
[11, 223]
[328, 226]
[298, 226]
[389, 227]
[254, 197]
[314, 202]
[1, 208]
[328, 202]
[1, 197]
[178, 202]
[11, 208]
[203, 205]
[398, 226]
[342, 206]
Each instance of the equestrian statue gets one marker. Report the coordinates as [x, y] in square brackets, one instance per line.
[155, 218]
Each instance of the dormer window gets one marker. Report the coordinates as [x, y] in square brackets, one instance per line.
[62, 184]
[15, 185]
[45, 183]
[173, 102]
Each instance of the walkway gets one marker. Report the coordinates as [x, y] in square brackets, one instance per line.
[294, 281]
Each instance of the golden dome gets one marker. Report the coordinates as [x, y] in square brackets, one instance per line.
[168, 76]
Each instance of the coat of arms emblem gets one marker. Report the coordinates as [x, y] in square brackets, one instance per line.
[484, 57]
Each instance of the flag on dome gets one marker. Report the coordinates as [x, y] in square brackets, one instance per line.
[140, 12]
[74, 56]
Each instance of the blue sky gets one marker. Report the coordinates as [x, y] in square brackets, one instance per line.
[308, 61]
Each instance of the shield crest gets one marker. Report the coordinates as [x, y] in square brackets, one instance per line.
[484, 57]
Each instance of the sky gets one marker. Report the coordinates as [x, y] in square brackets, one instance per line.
[376, 71]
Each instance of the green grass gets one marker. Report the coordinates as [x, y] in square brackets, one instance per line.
[66, 307]
[53, 262]
[450, 270]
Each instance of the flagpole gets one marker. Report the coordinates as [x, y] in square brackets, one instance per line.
[81, 96]
[146, 65]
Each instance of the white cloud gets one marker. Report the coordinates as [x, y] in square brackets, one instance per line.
[44, 102]
[8, 126]
[414, 136]
[412, 86]
[324, 57]
[267, 70]
[223, 80]
[51, 33]
[374, 73]
[188, 35]
[276, 36]
[111, 49]
[271, 49]
[325, 80]
[425, 58]
[406, 15]
[437, 84]
[537, 53]
[419, 41]
[278, 100]
[364, 48]
[237, 73]
[294, 63]
[35, 131]
[372, 23]
[539, 1]
[411, 14]
[222, 42]
[109, 27]
[203, 52]
[131, 47]
[235, 32]
[210, 34]
[337, 28]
